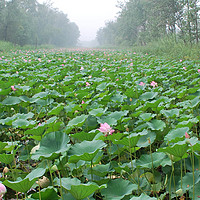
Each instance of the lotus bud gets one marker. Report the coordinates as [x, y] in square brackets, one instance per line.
[34, 149]
[43, 182]
[179, 192]
[54, 168]
[5, 170]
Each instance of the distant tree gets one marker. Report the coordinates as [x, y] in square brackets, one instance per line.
[29, 22]
[141, 21]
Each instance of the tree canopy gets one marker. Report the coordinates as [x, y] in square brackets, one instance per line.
[27, 22]
[141, 21]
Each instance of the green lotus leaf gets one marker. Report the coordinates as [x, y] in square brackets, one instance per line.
[118, 114]
[108, 120]
[90, 123]
[11, 146]
[100, 170]
[179, 149]
[67, 182]
[22, 123]
[114, 137]
[84, 136]
[78, 121]
[125, 166]
[188, 180]
[38, 130]
[21, 185]
[2, 145]
[148, 95]
[82, 191]
[117, 189]
[51, 120]
[24, 88]
[189, 123]
[25, 99]
[40, 95]
[156, 124]
[146, 137]
[52, 145]
[46, 194]
[171, 113]
[176, 135]
[195, 102]
[118, 98]
[159, 159]
[85, 150]
[39, 171]
[44, 102]
[130, 141]
[196, 192]
[56, 110]
[97, 112]
[147, 116]
[11, 100]
[102, 86]
[143, 197]
[152, 104]
[6, 158]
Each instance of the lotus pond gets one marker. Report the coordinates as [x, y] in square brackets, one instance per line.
[99, 124]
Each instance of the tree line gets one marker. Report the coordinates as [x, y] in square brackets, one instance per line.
[142, 21]
[27, 22]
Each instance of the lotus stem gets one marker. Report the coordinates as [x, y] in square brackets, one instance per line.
[40, 198]
[192, 162]
[61, 192]
[50, 172]
[91, 170]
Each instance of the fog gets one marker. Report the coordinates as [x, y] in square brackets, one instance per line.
[89, 15]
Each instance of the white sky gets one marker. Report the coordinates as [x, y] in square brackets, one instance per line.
[89, 15]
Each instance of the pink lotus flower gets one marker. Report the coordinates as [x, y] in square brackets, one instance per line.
[82, 102]
[117, 79]
[187, 135]
[154, 84]
[87, 84]
[199, 70]
[104, 69]
[184, 68]
[142, 83]
[13, 88]
[81, 68]
[2, 190]
[106, 129]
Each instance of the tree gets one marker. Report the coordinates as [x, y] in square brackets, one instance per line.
[142, 21]
[28, 22]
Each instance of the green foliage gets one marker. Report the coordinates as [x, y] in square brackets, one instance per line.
[28, 22]
[167, 47]
[167, 28]
[53, 125]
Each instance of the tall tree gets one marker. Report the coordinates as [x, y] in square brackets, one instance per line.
[28, 22]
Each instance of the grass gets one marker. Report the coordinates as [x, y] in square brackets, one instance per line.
[170, 48]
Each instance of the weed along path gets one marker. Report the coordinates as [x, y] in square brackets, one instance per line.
[98, 124]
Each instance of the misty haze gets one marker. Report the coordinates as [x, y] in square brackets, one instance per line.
[99, 99]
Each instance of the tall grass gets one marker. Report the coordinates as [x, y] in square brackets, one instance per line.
[6, 46]
[171, 48]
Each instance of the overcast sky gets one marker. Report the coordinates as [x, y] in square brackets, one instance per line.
[89, 15]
